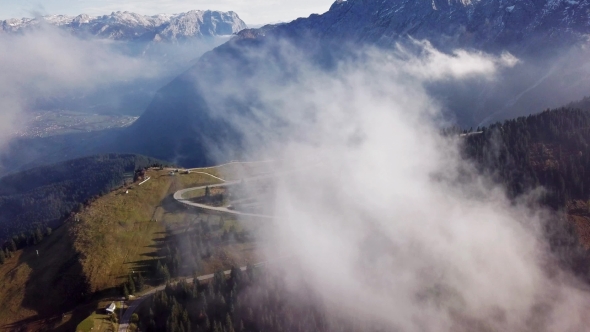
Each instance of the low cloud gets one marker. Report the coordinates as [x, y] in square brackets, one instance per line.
[435, 65]
[47, 67]
[381, 221]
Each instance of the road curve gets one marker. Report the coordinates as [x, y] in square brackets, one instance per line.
[125, 320]
[178, 197]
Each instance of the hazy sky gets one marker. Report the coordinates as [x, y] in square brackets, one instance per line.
[253, 12]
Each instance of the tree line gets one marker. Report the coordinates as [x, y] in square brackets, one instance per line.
[550, 149]
[44, 196]
[183, 253]
[250, 300]
[21, 241]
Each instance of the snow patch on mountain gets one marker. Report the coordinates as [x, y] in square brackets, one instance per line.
[132, 26]
[491, 25]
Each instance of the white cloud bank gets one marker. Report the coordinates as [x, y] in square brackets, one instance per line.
[386, 228]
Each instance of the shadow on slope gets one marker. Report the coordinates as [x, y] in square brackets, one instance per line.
[55, 284]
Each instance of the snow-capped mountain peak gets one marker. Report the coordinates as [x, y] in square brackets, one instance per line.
[132, 26]
[490, 24]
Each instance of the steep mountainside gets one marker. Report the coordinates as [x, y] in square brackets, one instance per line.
[484, 24]
[131, 26]
[191, 114]
[549, 150]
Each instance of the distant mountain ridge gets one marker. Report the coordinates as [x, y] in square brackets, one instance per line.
[132, 26]
[483, 24]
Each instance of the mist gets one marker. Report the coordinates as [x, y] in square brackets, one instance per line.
[385, 221]
[535, 83]
[47, 69]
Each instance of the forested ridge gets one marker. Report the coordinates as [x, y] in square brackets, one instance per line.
[251, 300]
[550, 149]
[43, 196]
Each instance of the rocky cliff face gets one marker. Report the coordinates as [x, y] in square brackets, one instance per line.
[483, 24]
[130, 26]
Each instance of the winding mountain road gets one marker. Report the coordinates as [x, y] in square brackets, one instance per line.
[178, 196]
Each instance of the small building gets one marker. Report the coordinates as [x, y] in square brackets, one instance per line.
[111, 308]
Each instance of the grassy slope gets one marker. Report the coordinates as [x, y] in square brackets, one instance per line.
[31, 285]
[120, 228]
[116, 230]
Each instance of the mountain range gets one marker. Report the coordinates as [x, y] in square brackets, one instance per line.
[482, 24]
[128, 26]
[187, 119]
[231, 96]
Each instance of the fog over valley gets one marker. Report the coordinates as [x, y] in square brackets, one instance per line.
[84, 78]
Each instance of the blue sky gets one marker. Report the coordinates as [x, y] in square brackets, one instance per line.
[253, 12]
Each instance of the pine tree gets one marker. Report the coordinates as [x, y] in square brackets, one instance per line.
[229, 324]
[2, 257]
[158, 267]
[162, 271]
[207, 323]
[165, 272]
[12, 245]
[125, 291]
[217, 327]
[131, 284]
[140, 282]
[38, 236]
